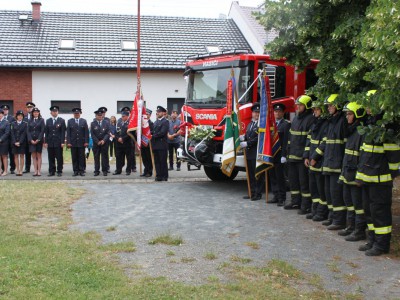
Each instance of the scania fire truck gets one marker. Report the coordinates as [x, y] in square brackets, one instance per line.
[207, 77]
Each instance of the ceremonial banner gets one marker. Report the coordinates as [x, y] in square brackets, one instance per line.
[228, 150]
[139, 123]
[268, 138]
[231, 136]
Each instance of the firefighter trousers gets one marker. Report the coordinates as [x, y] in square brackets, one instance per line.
[355, 212]
[315, 197]
[299, 186]
[377, 202]
[334, 197]
[322, 209]
[276, 176]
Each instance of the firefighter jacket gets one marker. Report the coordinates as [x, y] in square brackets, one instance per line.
[314, 139]
[298, 135]
[351, 154]
[379, 163]
[251, 137]
[283, 127]
[332, 146]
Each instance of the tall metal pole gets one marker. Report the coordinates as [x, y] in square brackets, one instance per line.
[138, 51]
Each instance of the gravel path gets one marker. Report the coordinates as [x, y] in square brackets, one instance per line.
[213, 218]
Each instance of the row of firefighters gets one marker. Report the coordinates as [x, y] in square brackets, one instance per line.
[336, 176]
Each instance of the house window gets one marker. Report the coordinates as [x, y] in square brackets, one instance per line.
[67, 44]
[211, 49]
[128, 45]
[66, 106]
[123, 103]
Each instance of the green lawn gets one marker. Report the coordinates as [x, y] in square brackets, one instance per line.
[41, 259]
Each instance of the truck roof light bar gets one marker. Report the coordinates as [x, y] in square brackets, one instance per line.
[219, 53]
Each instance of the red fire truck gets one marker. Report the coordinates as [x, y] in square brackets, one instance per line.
[205, 104]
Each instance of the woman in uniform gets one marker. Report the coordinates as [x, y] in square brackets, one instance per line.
[35, 138]
[19, 141]
[4, 141]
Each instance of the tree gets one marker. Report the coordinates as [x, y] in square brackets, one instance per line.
[358, 48]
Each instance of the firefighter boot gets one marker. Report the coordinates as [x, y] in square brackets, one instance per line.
[370, 242]
[347, 231]
[329, 220]
[356, 235]
[381, 245]
[314, 208]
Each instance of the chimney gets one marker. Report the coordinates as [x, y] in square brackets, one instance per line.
[36, 11]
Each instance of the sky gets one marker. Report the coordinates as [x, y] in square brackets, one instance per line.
[181, 8]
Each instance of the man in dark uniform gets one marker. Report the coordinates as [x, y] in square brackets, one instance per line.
[55, 140]
[249, 142]
[124, 146]
[28, 161]
[145, 151]
[100, 131]
[103, 111]
[10, 119]
[159, 143]
[277, 173]
[77, 140]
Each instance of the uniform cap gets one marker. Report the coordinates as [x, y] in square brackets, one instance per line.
[19, 112]
[35, 109]
[161, 109]
[5, 106]
[125, 113]
[77, 110]
[30, 104]
[126, 108]
[256, 107]
[54, 108]
[98, 112]
[103, 109]
[279, 106]
[148, 111]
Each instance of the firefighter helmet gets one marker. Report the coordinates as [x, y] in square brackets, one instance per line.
[357, 109]
[305, 100]
[332, 100]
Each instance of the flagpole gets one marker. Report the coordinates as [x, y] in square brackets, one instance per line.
[138, 49]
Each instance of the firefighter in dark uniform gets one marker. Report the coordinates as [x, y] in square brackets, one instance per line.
[297, 171]
[356, 223]
[145, 151]
[54, 140]
[319, 208]
[124, 145]
[104, 110]
[77, 140]
[159, 143]
[378, 166]
[28, 159]
[4, 142]
[332, 149]
[277, 173]
[10, 119]
[100, 132]
[249, 142]
[18, 140]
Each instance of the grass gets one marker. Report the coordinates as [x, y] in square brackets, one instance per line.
[333, 267]
[253, 245]
[167, 239]
[210, 256]
[242, 260]
[111, 228]
[41, 259]
[188, 259]
[126, 247]
[170, 253]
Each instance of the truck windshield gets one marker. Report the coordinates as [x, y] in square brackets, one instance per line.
[209, 87]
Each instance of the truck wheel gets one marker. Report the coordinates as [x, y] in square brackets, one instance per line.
[215, 174]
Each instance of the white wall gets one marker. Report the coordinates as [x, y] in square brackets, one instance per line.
[104, 88]
[246, 28]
